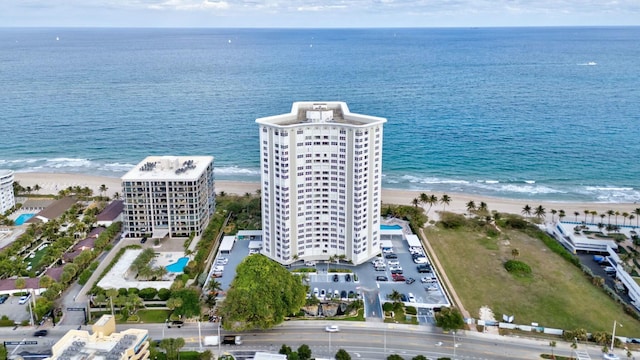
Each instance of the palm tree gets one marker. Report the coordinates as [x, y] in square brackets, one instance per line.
[36, 188]
[424, 198]
[602, 216]
[552, 344]
[610, 212]
[471, 206]
[586, 212]
[116, 196]
[631, 217]
[625, 215]
[515, 253]
[415, 202]
[637, 212]
[483, 208]
[526, 210]
[174, 303]
[214, 286]
[111, 293]
[561, 214]
[617, 213]
[553, 215]
[539, 212]
[445, 200]
[593, 214]
[395, 296]
[576, 214]
[432, 201]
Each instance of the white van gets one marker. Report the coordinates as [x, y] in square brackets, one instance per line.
[24, 299]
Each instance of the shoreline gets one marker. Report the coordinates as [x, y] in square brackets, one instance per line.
[51, 183]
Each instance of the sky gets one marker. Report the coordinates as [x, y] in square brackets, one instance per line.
[317, 13]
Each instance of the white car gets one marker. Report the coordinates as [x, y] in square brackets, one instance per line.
[24, 299]
[223, 261]
[316, 292]
[398, 268]
[332, 328]
[411, 297]
[427, 279]
[421, 260]
[393, 262]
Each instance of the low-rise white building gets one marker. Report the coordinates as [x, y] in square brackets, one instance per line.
[104, 343]
[7, 200]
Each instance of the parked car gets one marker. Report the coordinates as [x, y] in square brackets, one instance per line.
[421, 260]
[412, 298]
[316, 292]
[175, 323]
[391, 256]
[427, 279]
[381, 278]
[410, 280]
[398, 277]
[222, 261]
[40, 333]
[403, 298]
[24, 299]
[393, 263]
[397, 271]
[347, 277]
[397, 267]
[336, 278]
[143, 240]
[3, 298]
[332, 328]
[424, 268]
[380, 268]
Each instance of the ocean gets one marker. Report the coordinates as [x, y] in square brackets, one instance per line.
[529, 113]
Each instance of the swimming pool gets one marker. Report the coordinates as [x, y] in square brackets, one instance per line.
[23, 218]
[390, 227]
[178, 266]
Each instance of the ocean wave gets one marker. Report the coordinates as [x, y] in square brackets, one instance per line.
[607, 188]
[432, 180]
[58, 163]
[234, 170]
[530, 181]
[528, 189]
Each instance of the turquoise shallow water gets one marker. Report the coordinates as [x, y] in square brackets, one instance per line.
[529, 113]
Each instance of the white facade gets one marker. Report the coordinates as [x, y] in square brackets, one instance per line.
[7, 200]
[321, 175]
[168, 195]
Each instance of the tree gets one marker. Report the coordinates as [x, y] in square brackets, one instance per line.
[415, 202]
[552, 344]
[471, 206]
[205, 355]
[625, 216]
[449, 319]
[445, 200]
[174, 303]
[172, 347]
[261, 295]
[419, 357]
[190, 298]
[637, 213]
[304, 352]
[483, 208]
[284, 350]
[586, 212]
[576, 214]
[553, 215]
[515, 253]
[395, 357]
[526, 210]
[395, 295]
[111, 293]
[609, 213]
[20, 283]
[103, 189]
[342, 354]
[539, 212]
[46, 281]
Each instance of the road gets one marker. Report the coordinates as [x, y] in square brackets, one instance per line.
[362, 340]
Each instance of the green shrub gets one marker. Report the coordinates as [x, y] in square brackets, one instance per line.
[164, 294]
[517, 268]
[411, 310]
[148, 294]
[84, 276]
[123, 291]
[387, 306]
[133, 291]
[452, 221]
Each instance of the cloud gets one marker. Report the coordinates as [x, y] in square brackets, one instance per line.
[189, 5]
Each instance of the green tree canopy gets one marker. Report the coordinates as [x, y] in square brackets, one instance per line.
[342, 354]
[261, 295]
[449, 318]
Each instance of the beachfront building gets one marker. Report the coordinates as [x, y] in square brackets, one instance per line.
[168, 196]
[7, 200]
[104, 343]
[321, 173]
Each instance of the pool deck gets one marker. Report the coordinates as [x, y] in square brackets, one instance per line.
[119, 277]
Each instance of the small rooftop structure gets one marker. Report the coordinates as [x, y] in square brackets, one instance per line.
[336, 112]
[413, 240]
[268, 356]
[172, 168]
[227, 244]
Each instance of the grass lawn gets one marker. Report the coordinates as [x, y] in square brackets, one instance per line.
[35, 262]
[153, 316]
[557, 295]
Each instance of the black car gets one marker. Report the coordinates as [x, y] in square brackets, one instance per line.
[3, 298]
[336, 278]
[424, 268]
[391, 256]
[396, 271]
[143, 240]
[40, 333]
[175, 323]
[410, 280]
[381, 278]
[404, 298]
[347, 277]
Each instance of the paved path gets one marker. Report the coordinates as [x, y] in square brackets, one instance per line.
[443, 276]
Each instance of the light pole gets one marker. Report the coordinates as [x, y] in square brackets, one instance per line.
[454, 345]
[613, 334]
[219, 338]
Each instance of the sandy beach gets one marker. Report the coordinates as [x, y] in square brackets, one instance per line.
[51, 183]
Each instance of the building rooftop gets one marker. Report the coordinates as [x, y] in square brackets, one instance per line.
[111, 211]
[335, 112]
[5, 172]
[54, 210]
[171, 168]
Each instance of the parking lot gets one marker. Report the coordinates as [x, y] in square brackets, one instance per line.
[398, 269]
[13, 310]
